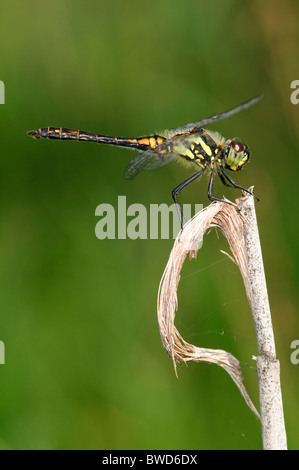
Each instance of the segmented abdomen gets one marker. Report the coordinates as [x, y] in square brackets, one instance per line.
[63, 133]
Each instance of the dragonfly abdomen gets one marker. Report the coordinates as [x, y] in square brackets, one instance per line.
[60, 133]
[63, 133]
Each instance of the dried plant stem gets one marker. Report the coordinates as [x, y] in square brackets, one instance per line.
[271, 409]
[240, 229]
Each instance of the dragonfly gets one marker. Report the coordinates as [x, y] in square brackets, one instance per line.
[203, 149]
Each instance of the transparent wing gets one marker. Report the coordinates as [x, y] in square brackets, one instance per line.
[217, 117]
[149, 160]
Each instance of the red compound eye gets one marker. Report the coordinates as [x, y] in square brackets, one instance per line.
[237, 146]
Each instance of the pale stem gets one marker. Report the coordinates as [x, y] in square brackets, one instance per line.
[271, 409]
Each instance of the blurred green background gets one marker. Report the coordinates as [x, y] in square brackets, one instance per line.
[85, 367]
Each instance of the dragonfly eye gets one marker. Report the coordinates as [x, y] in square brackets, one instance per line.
[236, 154]
[237, 146]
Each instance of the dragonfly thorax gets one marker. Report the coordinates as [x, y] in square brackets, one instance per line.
[235, 154]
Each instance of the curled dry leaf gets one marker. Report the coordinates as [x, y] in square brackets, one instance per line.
[230, 222]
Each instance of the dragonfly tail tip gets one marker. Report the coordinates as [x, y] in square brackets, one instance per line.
[32, 134]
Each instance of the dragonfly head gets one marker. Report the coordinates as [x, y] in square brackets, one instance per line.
[235, 155]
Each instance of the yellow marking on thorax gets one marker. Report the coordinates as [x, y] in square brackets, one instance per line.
[188, 153]
[198, 140]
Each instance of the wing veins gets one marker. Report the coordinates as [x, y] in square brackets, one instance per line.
[215, 118]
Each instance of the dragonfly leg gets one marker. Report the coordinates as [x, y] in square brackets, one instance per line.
[210, 188]
[179, 188]
[223, 179]
[234, 185]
